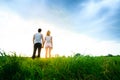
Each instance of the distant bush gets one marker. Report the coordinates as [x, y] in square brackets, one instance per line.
[110, 55]
[77, 55]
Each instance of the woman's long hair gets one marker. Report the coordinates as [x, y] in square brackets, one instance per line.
[48, 33]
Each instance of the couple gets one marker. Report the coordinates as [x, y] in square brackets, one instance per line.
[39, 43]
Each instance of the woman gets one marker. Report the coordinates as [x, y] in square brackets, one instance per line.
[48, 44]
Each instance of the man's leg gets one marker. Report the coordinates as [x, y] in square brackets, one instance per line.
[39, 49]
[34, 51]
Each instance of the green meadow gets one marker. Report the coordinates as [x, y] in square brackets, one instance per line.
[14, 67]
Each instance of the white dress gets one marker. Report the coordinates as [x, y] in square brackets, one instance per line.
[48, 42]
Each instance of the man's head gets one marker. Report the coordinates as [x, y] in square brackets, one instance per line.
[39, 30]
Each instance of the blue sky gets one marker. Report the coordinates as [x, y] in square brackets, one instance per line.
[98, 19]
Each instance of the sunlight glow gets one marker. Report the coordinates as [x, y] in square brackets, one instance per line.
[16, 35]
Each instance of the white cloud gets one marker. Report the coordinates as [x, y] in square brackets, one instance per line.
[91, 8]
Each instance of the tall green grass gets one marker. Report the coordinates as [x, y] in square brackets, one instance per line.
[60, 68]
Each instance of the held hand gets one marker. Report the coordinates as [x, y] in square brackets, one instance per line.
[42, 46]
[51, 47]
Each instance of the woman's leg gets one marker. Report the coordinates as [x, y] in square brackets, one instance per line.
[50, 52]
[46, 52]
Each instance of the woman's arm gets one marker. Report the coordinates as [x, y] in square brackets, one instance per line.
[52, 42]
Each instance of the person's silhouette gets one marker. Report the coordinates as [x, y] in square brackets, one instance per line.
[38, 43]
[48, 44]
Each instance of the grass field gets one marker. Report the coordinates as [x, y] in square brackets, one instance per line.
[61, 68]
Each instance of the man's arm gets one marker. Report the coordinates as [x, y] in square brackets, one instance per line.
[42, 41]
[33, 38]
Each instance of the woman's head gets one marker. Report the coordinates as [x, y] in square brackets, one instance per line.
[48, 33]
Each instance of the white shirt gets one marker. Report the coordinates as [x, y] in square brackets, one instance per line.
[38, 37]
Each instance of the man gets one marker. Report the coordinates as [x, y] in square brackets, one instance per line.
[38, 43]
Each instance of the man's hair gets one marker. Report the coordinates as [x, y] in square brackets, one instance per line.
[39, 30]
